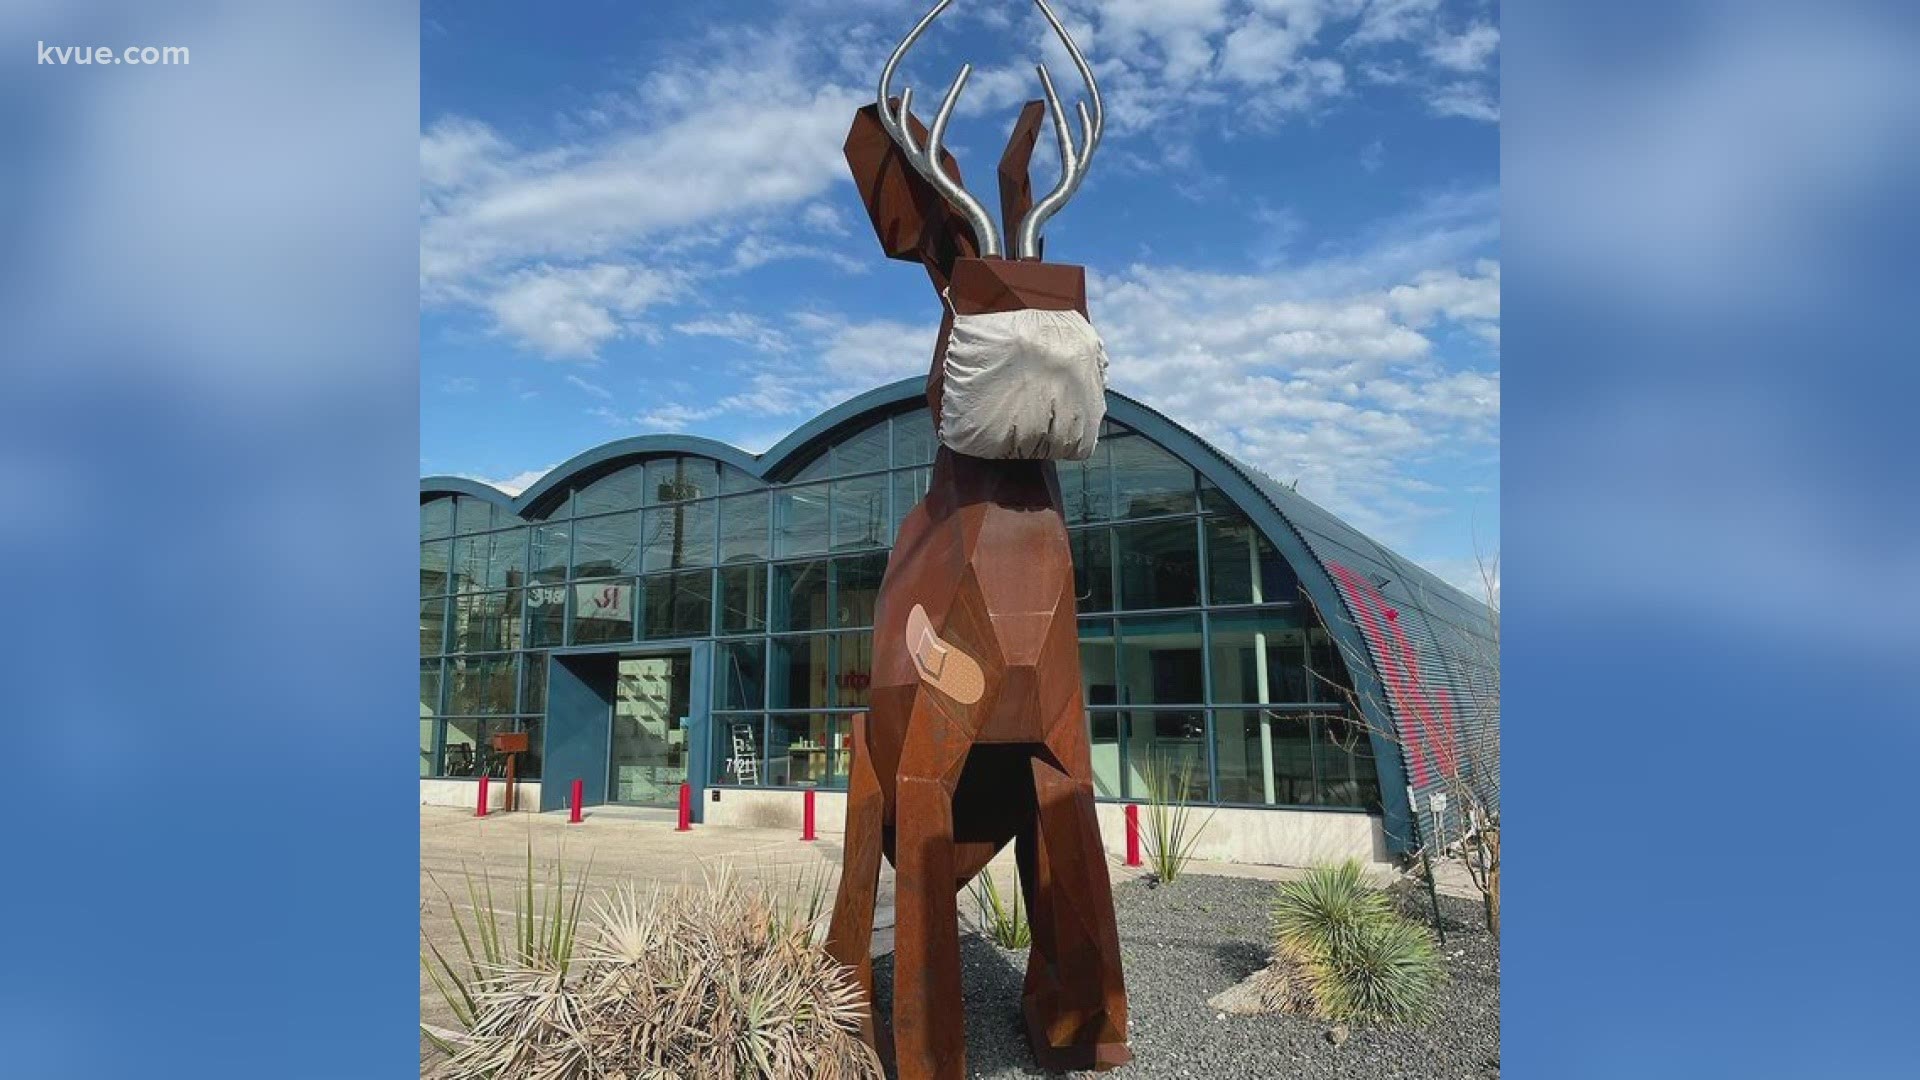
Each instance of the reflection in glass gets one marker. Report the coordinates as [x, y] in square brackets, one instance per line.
[436, 518]
[1264, 757]
[743, 528]
[743, 599]
[467, 746]
[533, 683]
[800, 595]
[428, 728]
[732, 479]
[1259, 657]
[1159, 564]
[853, 669]
[1148, 481]
[1092, 569]
[678, 479]
[1175, 742]
[864, 451]
[798, 672]
[1243, 567]
[436, 560]
[860, 513]
[433, 626]
[528, 765]
[486, 622]
[1343, 754]
[913, 438]
[1326, 670]
[648, 755]
[739, 749]
[678, 605]
[622, 490]
[1099, 657]
[603, 611]
[800, 750]
[909, 488]
[739, 674]
[429, 688]
[480, 685]
[1160, 661]
[1086, 487]
[471, 514]
[507, 565]
[606, 545]
[856, 588]
[549, 553]
[546, 614]
[677, 535]
[470, 561]
[1106, 754]
[800, 521]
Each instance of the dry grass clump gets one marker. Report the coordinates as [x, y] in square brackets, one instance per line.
[720, 981]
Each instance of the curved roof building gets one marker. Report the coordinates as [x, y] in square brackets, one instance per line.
[668, 609]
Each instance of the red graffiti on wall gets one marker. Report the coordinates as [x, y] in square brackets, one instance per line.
[1431, 737]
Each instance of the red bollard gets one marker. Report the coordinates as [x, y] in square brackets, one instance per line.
[482, 812]
[686, 809]
[573, 804]
[807, 827]
[1133, 834]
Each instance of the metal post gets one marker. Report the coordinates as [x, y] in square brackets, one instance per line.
[807, 827]
[686, 809]
[482, 811]
[573, 815]
[1133, 834]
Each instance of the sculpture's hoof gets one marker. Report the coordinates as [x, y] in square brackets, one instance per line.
[1097, 1057]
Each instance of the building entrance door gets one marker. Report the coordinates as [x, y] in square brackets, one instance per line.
[647, 756]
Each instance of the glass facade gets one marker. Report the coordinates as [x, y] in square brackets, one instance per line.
[1198, 651]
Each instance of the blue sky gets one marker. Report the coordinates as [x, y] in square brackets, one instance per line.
[636, 218]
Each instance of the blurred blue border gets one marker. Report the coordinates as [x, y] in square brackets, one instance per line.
[208, 448]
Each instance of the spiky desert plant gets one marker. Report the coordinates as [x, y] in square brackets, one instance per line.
[1003, 916]
[718, 980]
[1389, 973]
[1172, 828]
[525, 934]
[1325, 911]
[1354, 957]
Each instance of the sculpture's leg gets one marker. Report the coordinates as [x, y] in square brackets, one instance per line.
[1075, 998]
[928, 1029]
[850, 935]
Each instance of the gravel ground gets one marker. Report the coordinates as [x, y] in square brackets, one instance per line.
[1181, 944]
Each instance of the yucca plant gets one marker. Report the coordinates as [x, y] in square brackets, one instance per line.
[537, 937]
[1172, 829]
[717, 981]
[1003, 917]
[1355, 957]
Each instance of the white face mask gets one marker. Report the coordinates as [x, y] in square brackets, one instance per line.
[1023, 384]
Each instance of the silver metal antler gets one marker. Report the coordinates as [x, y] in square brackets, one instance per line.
[926, 160]
[1073, 160]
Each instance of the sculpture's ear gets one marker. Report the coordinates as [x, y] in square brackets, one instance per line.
[1016, 181]
[913, 221]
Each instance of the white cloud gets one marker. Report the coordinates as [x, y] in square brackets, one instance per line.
[595, 389]
[569, 312]
[1471, 100]
[737, 326]
[1467, 51]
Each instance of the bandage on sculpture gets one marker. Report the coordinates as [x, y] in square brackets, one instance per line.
[976, 733]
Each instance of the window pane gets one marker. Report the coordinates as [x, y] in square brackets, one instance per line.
[1147, 480]
[1106, 754]
[743, 599]
[1098, 656]
[1243, 567]
[428, 729]
[429, 688]
[1343, 752]
[1260, 658]
[800, 595]
[913, 438]
[1173, 742]
[743, 528]
[739, 674]
[435, 568]
[470, 562]
[856, 588]
[864, 451]
[853, 670]
[840, 747]
[679, 605]
[737, 744]
[1159, 564]
[471, 514]
[549, 555]
[507, 565]
[1092, 569]
[1326, 673]
[546, 614]
[603, 611]
[1085, 491]
[798, 672]
[527, 767]
[1213, 500]
[468, 749]
[480, 685]
[486, 622]
[732, 479]
[1264, 757]
[433, 626]
[677, 535]
[606, 545]
[797, 750]
[671, 480]
[533, 683]
[818, 469]
[436, 518]
[908, 489]
[860, 513]
[622, 490]
[800, 520]
[1160, 660]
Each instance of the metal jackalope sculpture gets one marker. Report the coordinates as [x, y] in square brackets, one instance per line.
[976, 735]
